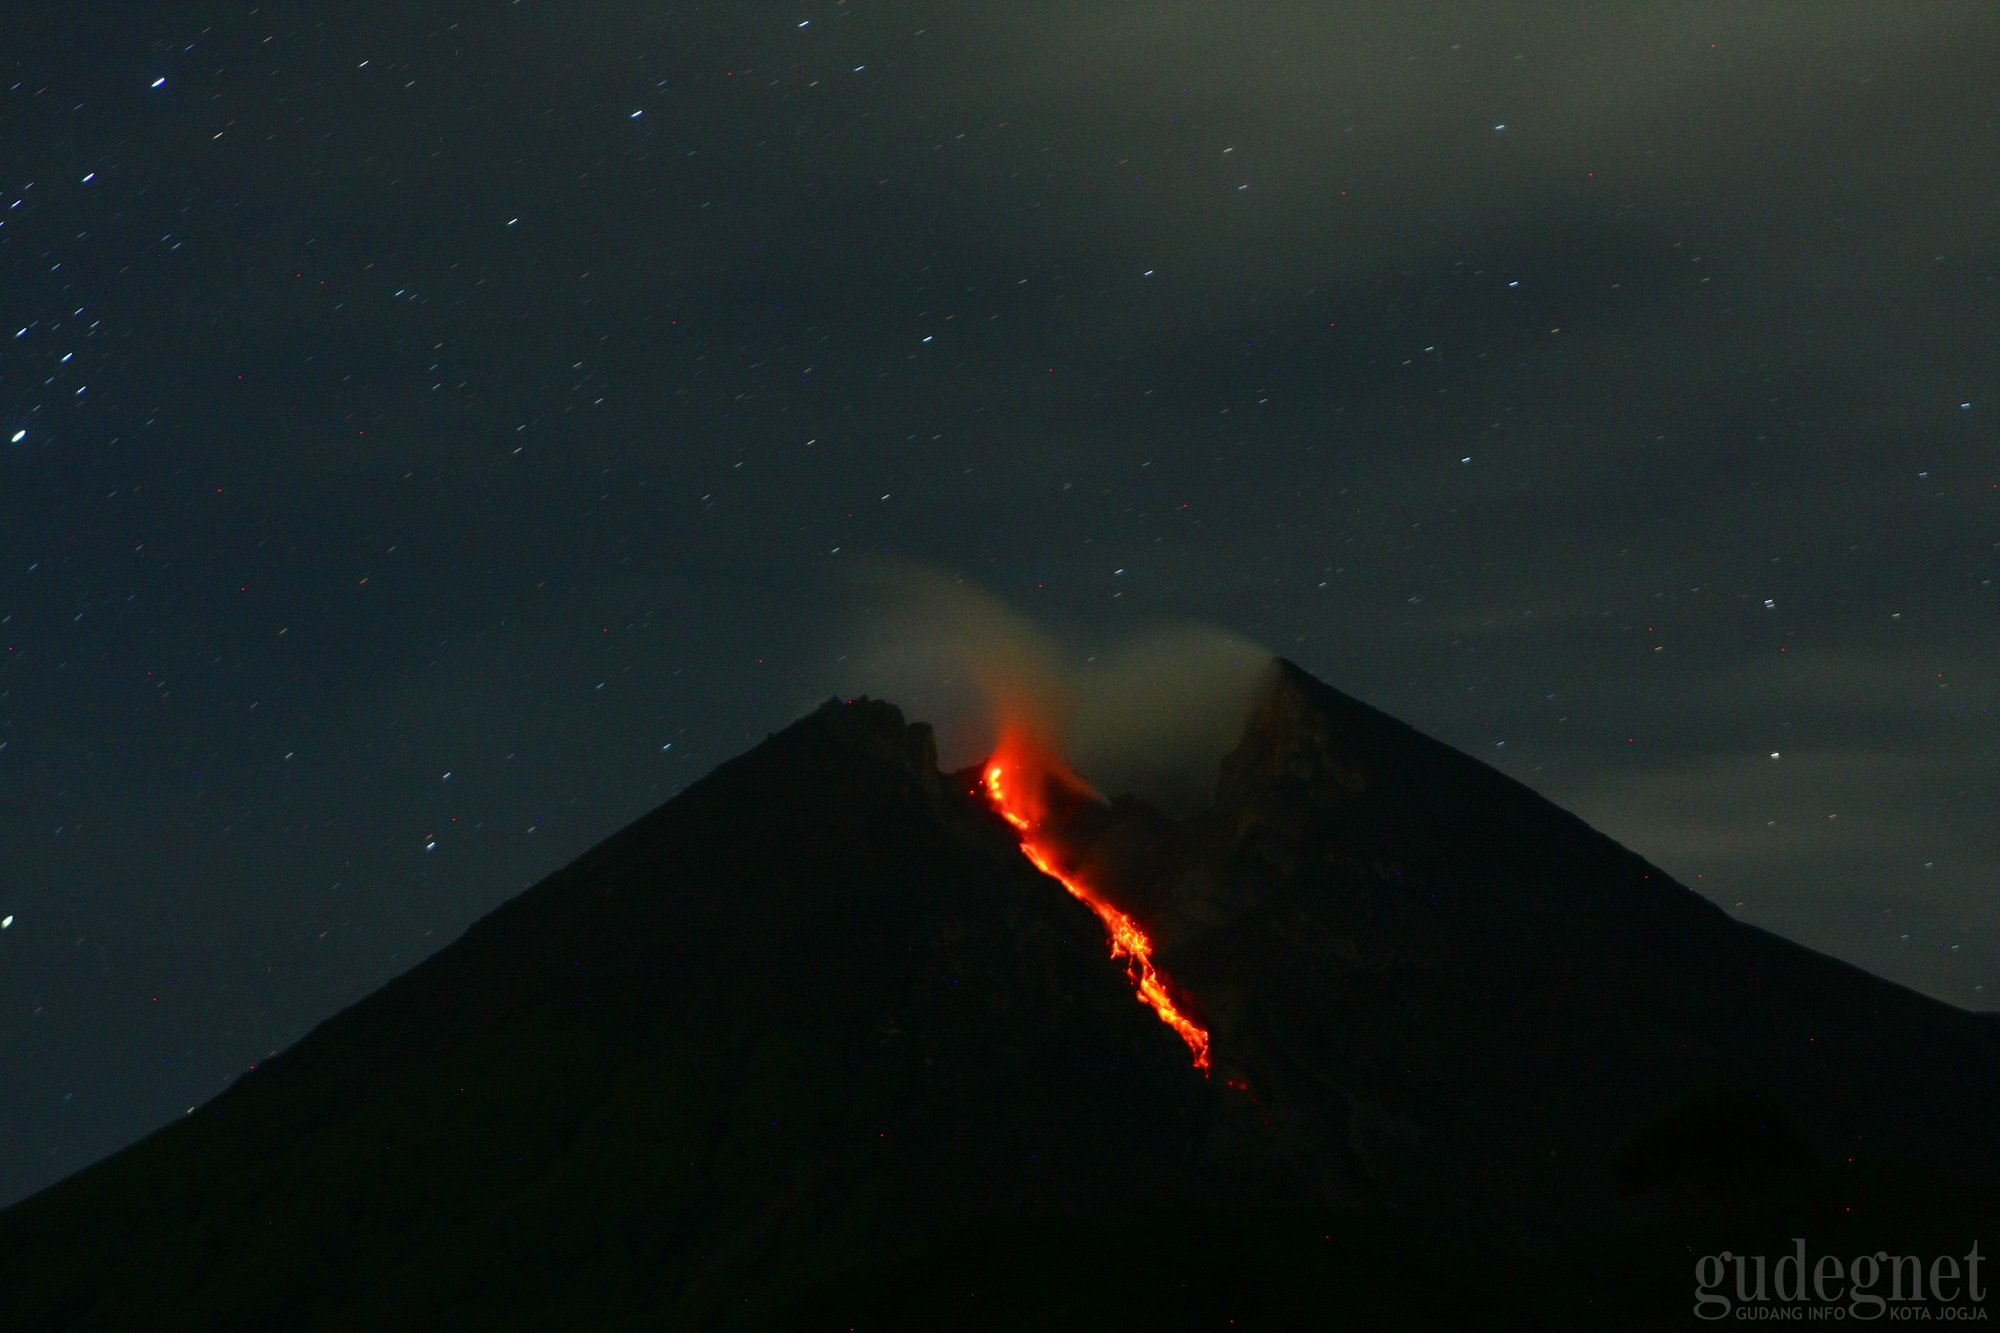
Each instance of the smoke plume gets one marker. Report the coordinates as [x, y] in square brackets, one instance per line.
[1149, 713]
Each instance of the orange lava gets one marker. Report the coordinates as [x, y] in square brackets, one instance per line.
[1024, 805]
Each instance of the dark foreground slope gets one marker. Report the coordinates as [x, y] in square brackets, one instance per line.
[813, 1046]
[1457, 999]
[806, 1007]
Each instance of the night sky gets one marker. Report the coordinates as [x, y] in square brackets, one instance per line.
[436, 434]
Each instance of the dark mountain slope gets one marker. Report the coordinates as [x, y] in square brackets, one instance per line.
[804, 1008]
[1460, 999]
[815, 1038]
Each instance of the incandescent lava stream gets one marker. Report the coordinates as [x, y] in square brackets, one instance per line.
[1016, 777]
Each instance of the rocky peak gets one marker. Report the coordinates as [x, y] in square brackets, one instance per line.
[878, 729]
[1296, 737]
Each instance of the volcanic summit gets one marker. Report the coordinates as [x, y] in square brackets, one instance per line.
[738, 1064]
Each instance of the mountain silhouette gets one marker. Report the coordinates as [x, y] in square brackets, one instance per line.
[816, 1029]
[1464, 997]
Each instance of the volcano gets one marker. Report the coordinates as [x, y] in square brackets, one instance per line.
[835, 1039]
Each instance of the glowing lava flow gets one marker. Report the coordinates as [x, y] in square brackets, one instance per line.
[1128, 941]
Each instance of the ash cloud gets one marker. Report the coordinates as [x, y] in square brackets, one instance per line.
[1157, 712]
[1149, 713]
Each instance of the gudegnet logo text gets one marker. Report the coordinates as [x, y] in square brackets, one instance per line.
[1831, 1288]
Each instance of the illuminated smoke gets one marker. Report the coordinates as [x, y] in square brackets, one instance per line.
[951, 655]
[1150, 714]
[1155, 715]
